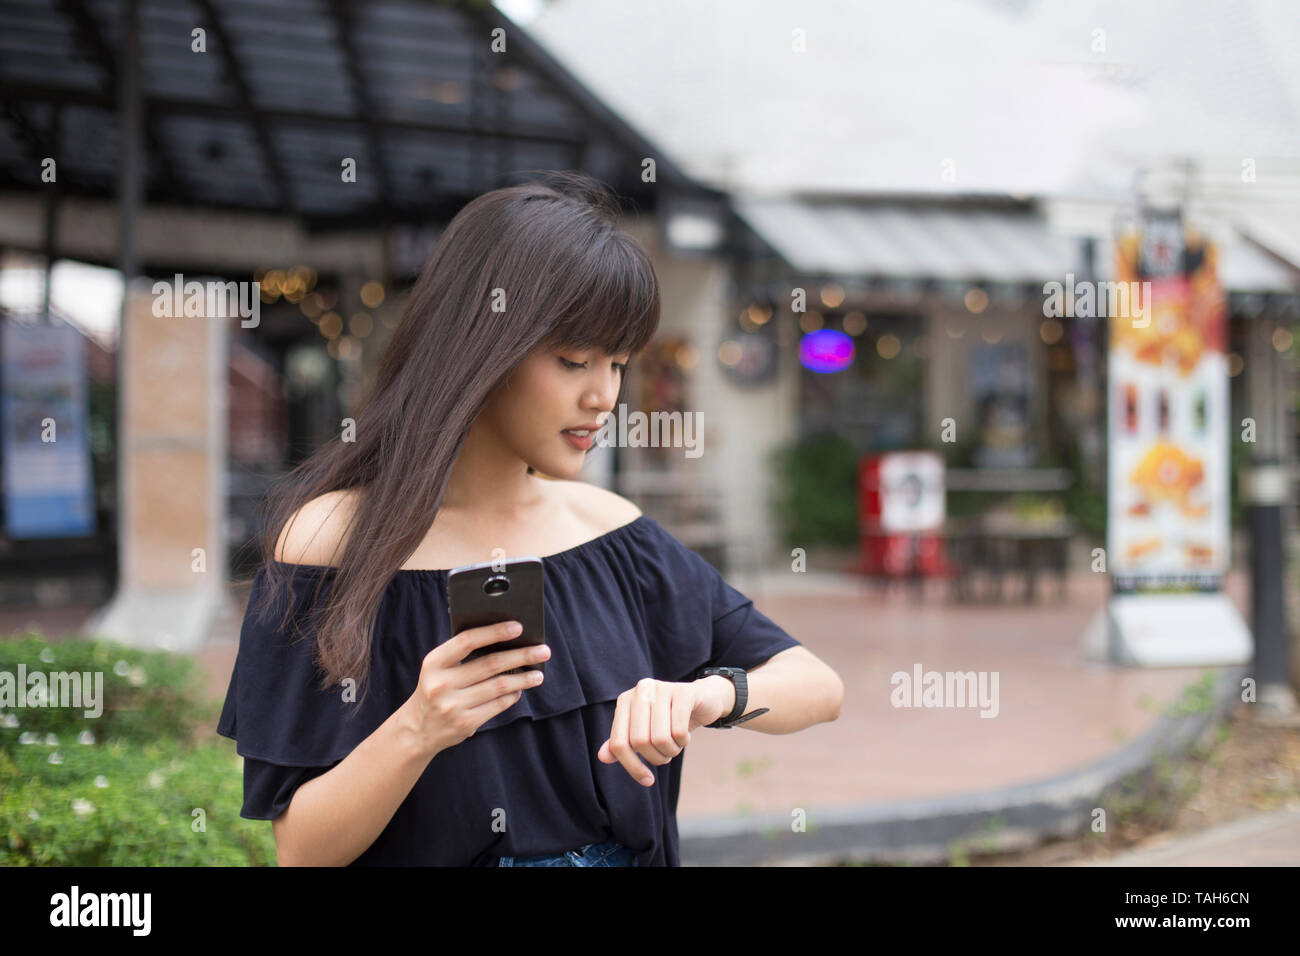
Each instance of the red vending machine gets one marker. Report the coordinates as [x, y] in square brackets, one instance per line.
[901, 508]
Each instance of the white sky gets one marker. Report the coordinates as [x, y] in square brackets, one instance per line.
[520, 11]
[91, 296]
[1018, 96]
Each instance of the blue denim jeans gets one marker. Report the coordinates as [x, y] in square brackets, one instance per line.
[610, 853]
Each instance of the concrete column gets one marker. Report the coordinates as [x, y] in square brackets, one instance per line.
[172, 502]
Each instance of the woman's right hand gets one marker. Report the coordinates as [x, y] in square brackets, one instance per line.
[455, 697]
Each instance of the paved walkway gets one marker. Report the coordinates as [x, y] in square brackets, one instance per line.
[1056, 712]
[1261, 839]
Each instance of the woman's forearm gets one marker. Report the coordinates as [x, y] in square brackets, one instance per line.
[800, 690]
[335, 817]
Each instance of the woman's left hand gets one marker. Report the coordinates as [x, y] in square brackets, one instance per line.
[654, 720]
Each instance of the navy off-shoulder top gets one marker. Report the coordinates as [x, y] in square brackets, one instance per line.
[632, 603]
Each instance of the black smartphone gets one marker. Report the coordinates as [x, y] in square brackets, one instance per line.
[496, 591]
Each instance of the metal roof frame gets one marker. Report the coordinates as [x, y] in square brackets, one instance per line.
[251, 127]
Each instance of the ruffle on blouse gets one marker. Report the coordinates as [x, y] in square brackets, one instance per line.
[631, 604]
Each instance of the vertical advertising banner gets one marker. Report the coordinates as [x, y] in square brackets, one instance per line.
[1168, 501]
[47, 469]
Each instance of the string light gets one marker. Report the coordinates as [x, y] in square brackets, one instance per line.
[361, 324]
[331, 324]
[855, 323]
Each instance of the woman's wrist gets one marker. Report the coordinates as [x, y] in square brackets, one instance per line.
[723, 692]
[406, 732]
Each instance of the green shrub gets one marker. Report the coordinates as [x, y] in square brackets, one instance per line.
[817, 499]
[126, 804]
[127, 788]
[146, 694]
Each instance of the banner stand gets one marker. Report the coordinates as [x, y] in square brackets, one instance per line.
[1202, 629]
[1167, 528]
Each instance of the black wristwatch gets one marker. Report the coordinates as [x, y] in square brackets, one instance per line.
[737, 677]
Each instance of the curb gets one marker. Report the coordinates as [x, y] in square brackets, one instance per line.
[921, 831]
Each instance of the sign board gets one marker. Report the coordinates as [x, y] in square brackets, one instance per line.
[1168, 500]
[49, 492]
[1167, 527]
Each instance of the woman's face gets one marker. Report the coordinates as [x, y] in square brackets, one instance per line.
[553, 391]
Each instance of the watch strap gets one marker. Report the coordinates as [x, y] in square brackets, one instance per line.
[740, 681]
[749, 716]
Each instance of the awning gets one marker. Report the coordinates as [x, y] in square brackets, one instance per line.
[912, 241]
[1279, 233]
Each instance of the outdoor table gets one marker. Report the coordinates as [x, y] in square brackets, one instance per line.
[998, 545]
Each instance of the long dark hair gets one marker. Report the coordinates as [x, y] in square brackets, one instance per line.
[571, 279]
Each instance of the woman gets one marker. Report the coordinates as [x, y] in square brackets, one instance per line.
[366, 736]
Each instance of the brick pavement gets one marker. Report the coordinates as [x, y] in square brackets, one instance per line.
[1057, 711]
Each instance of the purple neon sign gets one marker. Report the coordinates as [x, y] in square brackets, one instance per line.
[826, 350]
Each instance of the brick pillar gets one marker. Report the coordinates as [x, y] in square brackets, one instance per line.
[171, 540]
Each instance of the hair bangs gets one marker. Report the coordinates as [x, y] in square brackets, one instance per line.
[618, 308]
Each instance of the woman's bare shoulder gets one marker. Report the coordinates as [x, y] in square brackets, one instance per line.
[315, 533]
[603, 510]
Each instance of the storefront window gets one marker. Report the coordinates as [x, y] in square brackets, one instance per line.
[876, 403]
[1000, 381]
[661, 387]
